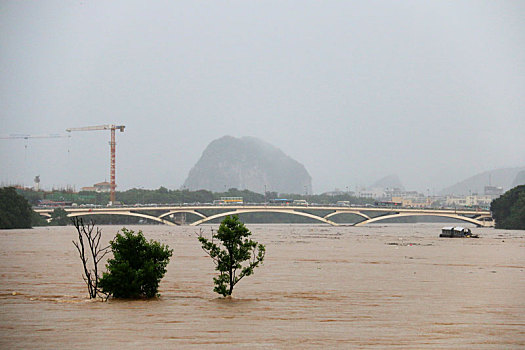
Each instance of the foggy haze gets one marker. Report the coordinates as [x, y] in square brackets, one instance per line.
[431, 91]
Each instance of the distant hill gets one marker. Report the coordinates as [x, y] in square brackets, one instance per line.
[247, 163]
[505, 178]
[519, 179]
[390, 181]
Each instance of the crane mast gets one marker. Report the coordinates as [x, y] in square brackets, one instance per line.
[112, 151]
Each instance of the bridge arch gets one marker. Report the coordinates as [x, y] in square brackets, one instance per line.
[176, 211]
[243, 211]
[347, 212]
[398, 215]
[127, 213]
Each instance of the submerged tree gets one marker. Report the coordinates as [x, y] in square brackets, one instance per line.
[236, 249]
[90, 255]
[136, 268]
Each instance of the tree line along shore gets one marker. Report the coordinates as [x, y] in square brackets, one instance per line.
[16, 205]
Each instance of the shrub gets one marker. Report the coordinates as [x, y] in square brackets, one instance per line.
[136, 268]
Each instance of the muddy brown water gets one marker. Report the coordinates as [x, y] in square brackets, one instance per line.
[375, 287]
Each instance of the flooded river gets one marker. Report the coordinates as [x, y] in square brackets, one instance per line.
[376, 287]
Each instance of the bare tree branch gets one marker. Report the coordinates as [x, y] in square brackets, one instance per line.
[91, 275]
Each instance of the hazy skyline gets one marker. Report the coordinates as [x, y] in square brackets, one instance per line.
[431, 91]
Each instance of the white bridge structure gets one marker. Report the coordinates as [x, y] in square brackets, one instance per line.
[166, 214]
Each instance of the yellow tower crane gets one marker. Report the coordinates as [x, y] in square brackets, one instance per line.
[112, 151]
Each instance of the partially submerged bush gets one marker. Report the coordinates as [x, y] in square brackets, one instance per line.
[136, 268]
[236, 249]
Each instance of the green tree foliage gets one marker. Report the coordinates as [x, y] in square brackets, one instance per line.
[38, 220]
[509, 209]
[136, 268]
[236, 249]
[15, 211]
[162, 195]
[59, 217]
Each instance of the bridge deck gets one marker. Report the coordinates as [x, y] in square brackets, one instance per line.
[262, 206]
[477, 217]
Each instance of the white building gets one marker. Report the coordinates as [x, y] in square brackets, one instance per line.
[100, 187]
[469, 201]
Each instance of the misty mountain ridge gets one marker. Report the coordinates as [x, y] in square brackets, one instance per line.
[247, 163]
[506, 178]
[519, 179]
[390, 181]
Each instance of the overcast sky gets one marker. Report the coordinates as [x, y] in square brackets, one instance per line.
[432, 91]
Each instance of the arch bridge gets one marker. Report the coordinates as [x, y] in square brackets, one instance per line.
[166, 214]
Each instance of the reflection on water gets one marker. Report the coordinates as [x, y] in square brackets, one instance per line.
[393, 286]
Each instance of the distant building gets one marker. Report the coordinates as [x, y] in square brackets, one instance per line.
[372, 193]
[493, 191]
[398, 192]
[100, 187]
[419, 201]
[469, 201]
[338, 192]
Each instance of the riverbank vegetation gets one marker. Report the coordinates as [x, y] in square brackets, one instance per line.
[509, 210]
[16, 211]
[162, 195]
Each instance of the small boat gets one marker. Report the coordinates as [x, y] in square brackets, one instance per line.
[457, 232]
